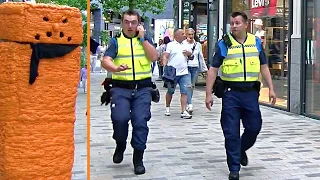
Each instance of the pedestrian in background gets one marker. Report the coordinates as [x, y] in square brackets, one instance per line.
[176, 56]
[196, 64]
[83, 78]
[161, 49]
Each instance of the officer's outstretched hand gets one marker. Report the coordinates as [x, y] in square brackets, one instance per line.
[209, 101]
[272, 97]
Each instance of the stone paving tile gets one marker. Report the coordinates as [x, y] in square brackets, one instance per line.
[287, 148]
[79, 171]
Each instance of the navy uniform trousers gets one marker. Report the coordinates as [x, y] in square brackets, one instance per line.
[124, 107]
[238, 105]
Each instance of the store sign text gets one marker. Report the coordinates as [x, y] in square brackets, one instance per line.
[259, 3]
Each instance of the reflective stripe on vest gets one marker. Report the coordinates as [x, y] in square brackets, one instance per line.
[136, 62]
[135, 56]
[239, 75]
[232, 56]
[242, 62]
[130, 74]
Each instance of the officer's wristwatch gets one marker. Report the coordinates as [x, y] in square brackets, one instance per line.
[142, 39]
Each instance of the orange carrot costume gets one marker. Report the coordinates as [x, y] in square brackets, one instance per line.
[39, 73]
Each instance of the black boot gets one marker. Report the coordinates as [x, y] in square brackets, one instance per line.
[137, 162]
[234, 176]
[118, 153]
[244, 159]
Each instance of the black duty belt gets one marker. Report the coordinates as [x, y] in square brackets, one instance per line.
[242, 89]
[131, 85]
[239, 88]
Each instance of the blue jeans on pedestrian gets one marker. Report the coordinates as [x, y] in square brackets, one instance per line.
[124, 107]
[160, 70]
[184, 82]
[153, 66]
[194, 73]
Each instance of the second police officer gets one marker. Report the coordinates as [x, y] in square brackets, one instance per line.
[241, 58]
[129, 58]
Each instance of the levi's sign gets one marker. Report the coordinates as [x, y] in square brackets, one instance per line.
[259, 3]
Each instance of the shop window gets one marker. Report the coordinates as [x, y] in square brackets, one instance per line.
[312, 63]
[269, 21]
[202, 20]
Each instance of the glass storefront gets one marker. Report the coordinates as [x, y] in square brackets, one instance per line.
[268, 19]
[312, 58]
[199, 22]
[186, 15]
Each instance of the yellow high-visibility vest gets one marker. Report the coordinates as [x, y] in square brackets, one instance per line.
[242, 63]
[131, 53]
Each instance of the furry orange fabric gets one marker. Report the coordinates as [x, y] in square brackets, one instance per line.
[40, 23]
[37, 121]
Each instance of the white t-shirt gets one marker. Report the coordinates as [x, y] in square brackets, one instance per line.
[259, 33]
[176, 58]
[196, 53]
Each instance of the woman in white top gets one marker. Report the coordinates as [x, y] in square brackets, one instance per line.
[196, 64]
[259, 25]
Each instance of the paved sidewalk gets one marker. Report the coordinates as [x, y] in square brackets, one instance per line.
[80, 158]
[287, 148]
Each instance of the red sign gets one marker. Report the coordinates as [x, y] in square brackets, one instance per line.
[263, 7]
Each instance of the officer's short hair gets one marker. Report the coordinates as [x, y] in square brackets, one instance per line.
[131, 12]
[242, 14]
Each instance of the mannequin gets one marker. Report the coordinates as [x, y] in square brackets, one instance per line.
[260, 32]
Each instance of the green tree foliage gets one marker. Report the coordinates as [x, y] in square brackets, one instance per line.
[80, 4]
[153, 6]
[85, 37]
[105, 37]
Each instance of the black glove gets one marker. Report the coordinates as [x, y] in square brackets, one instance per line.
[105, 98]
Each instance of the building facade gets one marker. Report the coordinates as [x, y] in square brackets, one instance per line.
[109, 21]
[290, 31]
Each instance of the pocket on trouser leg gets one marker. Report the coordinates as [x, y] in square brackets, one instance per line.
[120, 106]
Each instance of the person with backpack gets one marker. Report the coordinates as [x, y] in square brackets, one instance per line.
[129, 59]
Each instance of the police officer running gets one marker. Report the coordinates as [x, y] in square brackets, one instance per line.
[129, 58]
[241, 58]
